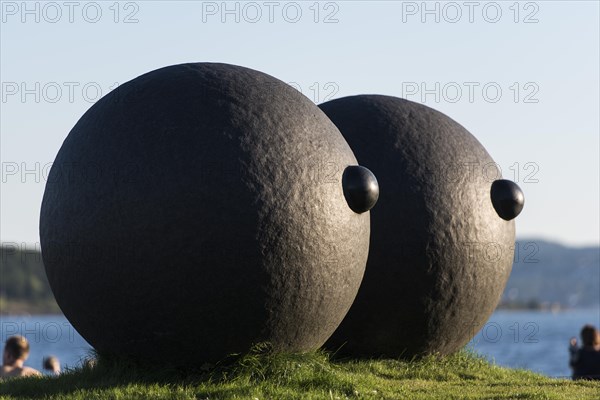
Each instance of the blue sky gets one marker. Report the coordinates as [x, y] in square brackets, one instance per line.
[523, 77]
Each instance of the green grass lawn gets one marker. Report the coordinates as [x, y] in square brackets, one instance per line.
[262, 375]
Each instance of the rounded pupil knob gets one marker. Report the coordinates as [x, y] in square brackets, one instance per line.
[361, 189]
[507, 198]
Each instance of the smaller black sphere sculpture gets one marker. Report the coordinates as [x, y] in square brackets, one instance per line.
[428, 286]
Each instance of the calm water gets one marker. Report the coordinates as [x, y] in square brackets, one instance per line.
[520, 339]
[537, 341]
[47, 335]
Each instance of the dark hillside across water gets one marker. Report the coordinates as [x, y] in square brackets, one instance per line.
[550, 275]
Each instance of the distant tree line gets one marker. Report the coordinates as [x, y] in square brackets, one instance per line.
[24, 286]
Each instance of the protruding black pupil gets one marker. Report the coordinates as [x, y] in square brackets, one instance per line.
[507, 199]
[361, 189]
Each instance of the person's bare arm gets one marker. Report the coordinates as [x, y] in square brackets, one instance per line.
[573, 352]
[18, 372]
[27, 371]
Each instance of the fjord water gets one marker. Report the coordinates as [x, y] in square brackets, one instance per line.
[47, 335]
[532, 340]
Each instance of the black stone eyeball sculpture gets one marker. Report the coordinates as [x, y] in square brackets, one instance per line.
[442, 234]
[200, 208]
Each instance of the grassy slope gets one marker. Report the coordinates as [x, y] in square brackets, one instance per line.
[306, 376]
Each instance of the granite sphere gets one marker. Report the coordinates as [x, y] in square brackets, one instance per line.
[199, 209]
[440, 255]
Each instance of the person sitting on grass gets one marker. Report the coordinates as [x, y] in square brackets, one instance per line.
[585, 360]
[16, 352]
[52, 364]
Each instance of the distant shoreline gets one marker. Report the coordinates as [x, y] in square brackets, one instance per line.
[17, 308]
[22, 309]
[534, 306]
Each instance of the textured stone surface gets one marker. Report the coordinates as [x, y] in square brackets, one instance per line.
[198, 209]
[440, 255]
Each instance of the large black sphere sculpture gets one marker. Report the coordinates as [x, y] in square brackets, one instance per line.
[440, 254]
[198, 209]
